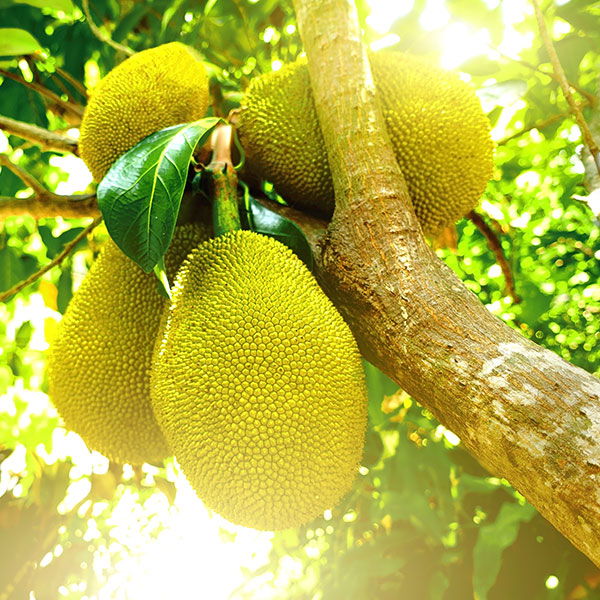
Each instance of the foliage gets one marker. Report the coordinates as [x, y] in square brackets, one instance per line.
[424, 520]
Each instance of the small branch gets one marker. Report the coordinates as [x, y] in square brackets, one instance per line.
[46, 140]
[74, 82]
[103, 37]
[496, 247]
[77, 85]
[564, 84]
[69, 207]
[56, 261]
[74, 109]
[24, 176]
[537, 125]
[42, 196]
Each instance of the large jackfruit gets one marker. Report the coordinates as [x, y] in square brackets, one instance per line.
[149, 91]
[99, 363]
[258, 385]
[440, 136]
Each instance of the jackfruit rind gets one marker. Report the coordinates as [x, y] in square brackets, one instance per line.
[258, 385]
[99, 363]
[440, 135]
[151, 90]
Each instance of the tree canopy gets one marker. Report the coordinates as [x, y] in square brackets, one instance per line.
[424, 518]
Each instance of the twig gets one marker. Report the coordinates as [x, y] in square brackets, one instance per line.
[75, 109]
[56, 261]
[77, 85]
[100, 35]
[41, 193]
[537, 125]
[496, 247]
[28, 179]
[46, 140]
[564, 84]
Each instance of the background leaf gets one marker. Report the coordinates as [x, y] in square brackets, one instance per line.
[493, 539]
[15, 42]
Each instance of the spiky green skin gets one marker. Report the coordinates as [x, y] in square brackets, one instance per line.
[258, 384]
[439, 134]
[151, 90]
[100, 361]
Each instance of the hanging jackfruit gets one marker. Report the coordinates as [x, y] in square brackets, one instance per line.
[99, 363]
[149, 91]
[258, 385]
[440, 136]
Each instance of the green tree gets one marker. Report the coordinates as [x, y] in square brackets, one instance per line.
[424, 519]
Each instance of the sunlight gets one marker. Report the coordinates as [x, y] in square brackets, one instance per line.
[459, 41]
[195, 551]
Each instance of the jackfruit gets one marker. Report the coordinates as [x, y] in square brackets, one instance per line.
[149, 91]
[439, 133]
[99, 363]
[258, 385]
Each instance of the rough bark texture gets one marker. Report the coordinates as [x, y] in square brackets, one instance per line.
[526, 414]
[46, 140]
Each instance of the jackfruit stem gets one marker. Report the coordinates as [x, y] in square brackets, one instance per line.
[224, 183]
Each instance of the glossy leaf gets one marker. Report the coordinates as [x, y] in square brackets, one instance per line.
[263, 220]
[140, 195]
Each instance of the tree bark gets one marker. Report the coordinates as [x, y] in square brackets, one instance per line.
[522, 411]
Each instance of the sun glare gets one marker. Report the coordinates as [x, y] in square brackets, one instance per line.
[459, 41]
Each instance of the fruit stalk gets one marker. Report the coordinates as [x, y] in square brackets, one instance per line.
[224, 183]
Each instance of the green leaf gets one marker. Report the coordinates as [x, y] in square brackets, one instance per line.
[140, 195]
[55, 244]
[23, 334]
[263, 220]
[162, 280]
[65, 6]
[15, 42]
[493, 539]
[65, 289]
[14, 267]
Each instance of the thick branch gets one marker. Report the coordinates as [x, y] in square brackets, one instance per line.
[526, 414]
[46, 140]
[68, 207]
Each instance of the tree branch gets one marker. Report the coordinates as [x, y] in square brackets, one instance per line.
[496, 248]
[75, 109]
[69, 207]
[103, 37]
[44, 203]
[53, 263]
[564, 84]
[526, 414]
[46, 140]
[537, 125]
